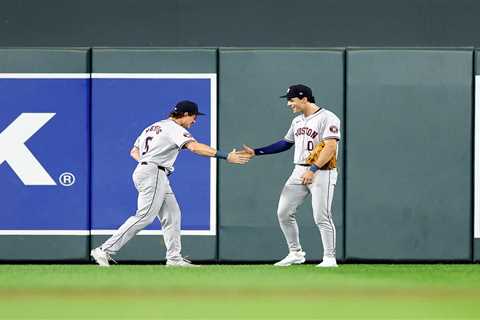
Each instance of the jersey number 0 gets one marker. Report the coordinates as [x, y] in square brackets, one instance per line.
[310, 145]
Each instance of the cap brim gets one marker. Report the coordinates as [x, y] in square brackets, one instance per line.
[284, 96]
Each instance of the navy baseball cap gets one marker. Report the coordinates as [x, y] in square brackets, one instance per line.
[187, 106]
[299, 91]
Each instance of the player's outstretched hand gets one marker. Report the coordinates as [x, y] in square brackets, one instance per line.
[237, 157]
[248, 150]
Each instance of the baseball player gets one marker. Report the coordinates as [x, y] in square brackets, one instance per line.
[156, 149]
[315, 134]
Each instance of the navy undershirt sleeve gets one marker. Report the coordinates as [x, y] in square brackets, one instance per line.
[276, 147]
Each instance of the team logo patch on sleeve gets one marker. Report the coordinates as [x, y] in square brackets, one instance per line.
[187, 135]
[333, 129]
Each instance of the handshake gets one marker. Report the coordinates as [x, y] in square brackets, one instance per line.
[241, 156]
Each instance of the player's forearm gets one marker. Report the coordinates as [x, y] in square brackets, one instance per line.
[202, 149]
[277, 147]
[207, 151]
[326, 155]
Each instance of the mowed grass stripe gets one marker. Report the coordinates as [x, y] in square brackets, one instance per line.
[244, 276]
[303, 294]
[246, 308]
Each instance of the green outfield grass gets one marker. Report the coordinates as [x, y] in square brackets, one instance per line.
[240, 292]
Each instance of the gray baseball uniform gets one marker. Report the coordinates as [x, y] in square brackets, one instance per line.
[306, 132]
[159, 145]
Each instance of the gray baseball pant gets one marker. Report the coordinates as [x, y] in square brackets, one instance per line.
[293, 195]
[155, 199]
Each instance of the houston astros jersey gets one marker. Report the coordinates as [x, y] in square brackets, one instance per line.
[161, 142]
[306, 132]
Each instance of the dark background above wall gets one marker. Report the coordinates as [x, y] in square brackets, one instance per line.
[219, 23]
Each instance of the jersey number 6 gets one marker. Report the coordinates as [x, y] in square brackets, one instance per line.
[146, 145]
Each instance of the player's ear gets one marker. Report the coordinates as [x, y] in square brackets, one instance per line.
[185, 114]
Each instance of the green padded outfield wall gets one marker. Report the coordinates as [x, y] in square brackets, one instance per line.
[409, 153]
[141, 61]
[476, 244]
[46, 221]
[251, 112]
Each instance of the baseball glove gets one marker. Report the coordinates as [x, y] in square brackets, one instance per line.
[313, 156]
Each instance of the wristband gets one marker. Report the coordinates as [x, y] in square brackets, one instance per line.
[313, 168]
[221, 155]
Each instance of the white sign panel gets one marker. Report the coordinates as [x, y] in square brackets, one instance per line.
[477, 157]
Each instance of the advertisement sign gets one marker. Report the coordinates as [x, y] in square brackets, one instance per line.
[122, 106]
[44, 153]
